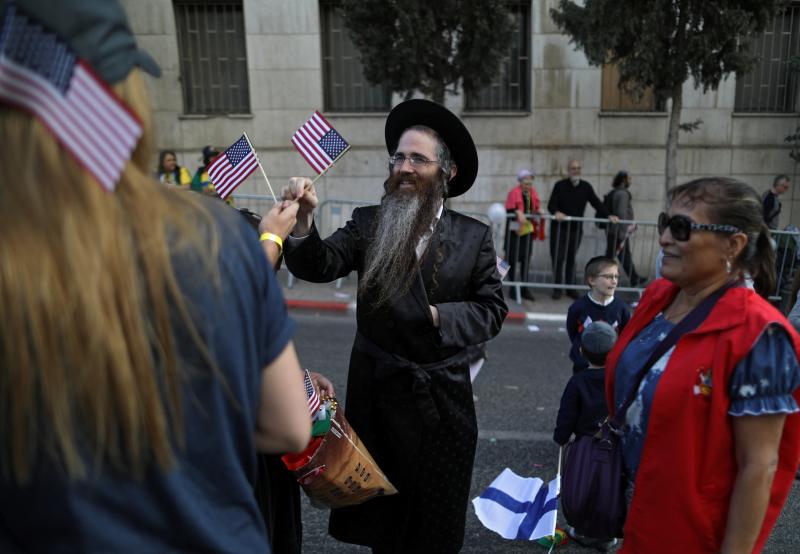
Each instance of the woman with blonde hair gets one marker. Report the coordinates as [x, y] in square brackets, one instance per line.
[145, 349]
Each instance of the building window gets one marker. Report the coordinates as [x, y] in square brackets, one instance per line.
[771, 86]
[510, 90]
[213, 56]
[345, 87]
[616, 99]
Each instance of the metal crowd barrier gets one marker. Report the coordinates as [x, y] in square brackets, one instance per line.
[535, 254]
[636, 241]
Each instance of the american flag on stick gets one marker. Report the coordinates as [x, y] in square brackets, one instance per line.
[311, 394]
[41, 74]
[319, 143]
[228, 170]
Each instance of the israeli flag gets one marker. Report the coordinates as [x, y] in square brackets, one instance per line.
[521, 508]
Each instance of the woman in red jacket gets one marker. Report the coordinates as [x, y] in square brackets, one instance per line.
[712, 440]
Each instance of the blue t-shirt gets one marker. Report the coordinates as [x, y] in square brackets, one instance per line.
[206, 503]
[762, 383]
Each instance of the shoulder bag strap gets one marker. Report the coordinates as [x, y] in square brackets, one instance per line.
[689, 323]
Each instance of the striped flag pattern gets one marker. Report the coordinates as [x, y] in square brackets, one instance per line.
[502, 267]
[41, 74]
[521, 508]
[228, 170]
[311, 394]
[319, 143]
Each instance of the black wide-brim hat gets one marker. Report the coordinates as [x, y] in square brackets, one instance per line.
[448, 126]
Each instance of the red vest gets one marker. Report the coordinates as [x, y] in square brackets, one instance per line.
[687, 469]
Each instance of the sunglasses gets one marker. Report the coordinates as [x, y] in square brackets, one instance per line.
[681, 226]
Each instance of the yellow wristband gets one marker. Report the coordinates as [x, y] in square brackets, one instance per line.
[274, 238]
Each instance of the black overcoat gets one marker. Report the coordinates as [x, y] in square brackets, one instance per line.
[409, 395]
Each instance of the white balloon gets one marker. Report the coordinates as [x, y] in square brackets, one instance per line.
[496, 213]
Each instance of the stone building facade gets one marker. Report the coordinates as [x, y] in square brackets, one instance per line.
[562, 108]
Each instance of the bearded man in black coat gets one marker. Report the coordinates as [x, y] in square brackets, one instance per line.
[428, 293]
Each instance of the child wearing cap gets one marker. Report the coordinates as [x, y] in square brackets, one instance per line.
[599, 304]
[583, 406]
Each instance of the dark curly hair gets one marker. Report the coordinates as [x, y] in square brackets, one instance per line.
[732, 202]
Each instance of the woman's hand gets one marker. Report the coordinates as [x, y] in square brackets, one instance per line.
[324, 386]
[280, 220]
[756, 441]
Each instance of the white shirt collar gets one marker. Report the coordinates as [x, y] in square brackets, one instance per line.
[608, 301]
[426, 236]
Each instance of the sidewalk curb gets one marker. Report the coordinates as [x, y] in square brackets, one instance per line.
[350, 307]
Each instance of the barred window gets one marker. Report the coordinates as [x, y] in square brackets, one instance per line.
[771, 86]
[213, 56]
[345, 87]
[511, 89]
[616, 99]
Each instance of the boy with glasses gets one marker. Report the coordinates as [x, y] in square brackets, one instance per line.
[599, 304]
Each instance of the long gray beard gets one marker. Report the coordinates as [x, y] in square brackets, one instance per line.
[391, 259]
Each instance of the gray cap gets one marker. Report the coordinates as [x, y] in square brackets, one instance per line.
[98, 32]
[598, 337]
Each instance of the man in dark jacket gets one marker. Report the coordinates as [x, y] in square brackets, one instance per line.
[569, 199]
[428, 290]
[772, 205]
[618, 235]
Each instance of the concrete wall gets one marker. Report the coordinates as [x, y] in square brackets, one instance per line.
[284, 58]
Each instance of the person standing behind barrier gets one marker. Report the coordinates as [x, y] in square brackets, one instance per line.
[522, 230]
[201, 181]
[569, 199]
[711, 441]
[169, 172]
[599, 304]
[583, 409]
[771, 203]
[619, 234]
[147, 354]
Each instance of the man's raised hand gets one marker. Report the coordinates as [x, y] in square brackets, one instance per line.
[301, 190]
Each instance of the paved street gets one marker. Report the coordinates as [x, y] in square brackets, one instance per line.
[518, 393]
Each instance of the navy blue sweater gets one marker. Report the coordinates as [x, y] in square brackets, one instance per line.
[583, 405]
[583, 311]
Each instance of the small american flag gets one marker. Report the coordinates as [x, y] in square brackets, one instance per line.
[228, 170]
[502, 267]
[312, 395]
[41, 74]
[319, 143]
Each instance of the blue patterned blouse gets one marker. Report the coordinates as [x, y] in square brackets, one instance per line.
[762, 383]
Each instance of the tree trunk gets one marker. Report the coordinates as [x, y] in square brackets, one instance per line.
[671, 170]
[437, 94]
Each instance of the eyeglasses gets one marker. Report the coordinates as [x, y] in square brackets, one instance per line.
[682, 226]
[414, 159]
[610, 276]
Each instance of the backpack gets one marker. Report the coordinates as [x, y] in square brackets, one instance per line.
[608, 205]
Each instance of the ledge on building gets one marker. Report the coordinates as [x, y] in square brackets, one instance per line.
[356, 114]
[190, 116]
[611, 113]
[499, 113]
[765, 114]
